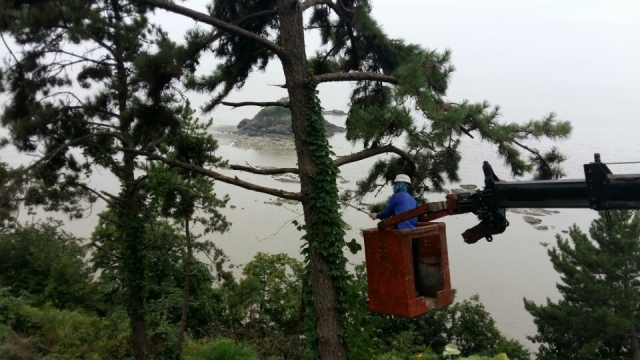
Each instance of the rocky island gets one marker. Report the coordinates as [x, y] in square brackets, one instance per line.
[334, 112]
[275, 121]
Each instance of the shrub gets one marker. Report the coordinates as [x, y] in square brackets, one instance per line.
[223, 349]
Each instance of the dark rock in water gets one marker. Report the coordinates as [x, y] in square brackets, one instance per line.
[277, 203]
[288, 201]
[545, 244]
[531, 220]
[533, 212]
[232, 206]
[565, 231]
[334, 112]
[286, 180]
[275, 121]
[541, 227]
[468, 187]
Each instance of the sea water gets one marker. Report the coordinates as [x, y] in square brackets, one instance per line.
[512, 267]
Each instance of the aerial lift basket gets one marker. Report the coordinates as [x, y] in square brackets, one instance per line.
[407, 270]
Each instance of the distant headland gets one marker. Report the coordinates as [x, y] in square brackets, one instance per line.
[275, 121]
[334, 112]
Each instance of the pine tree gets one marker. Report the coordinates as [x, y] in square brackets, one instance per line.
[598, 315]
[181, 196]
[96, 77]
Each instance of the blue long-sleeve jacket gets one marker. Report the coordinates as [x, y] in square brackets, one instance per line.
[399, 203]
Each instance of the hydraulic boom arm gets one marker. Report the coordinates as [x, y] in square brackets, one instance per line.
[600, 190]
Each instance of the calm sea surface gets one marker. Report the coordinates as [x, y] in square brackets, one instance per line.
[514, 266]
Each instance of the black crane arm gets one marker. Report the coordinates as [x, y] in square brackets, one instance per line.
[600, 190]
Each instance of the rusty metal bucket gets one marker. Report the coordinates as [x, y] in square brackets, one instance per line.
[407, 270]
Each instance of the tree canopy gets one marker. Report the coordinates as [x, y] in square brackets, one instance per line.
[598, 314]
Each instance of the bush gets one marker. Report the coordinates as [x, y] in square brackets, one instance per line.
[222, 349]
[60, 334]
[48, 264]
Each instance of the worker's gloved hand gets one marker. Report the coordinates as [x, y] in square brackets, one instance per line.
[373, 216]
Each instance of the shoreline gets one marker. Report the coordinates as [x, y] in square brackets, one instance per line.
[247, 142]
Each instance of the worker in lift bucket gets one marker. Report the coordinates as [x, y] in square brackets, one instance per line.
[399, 202]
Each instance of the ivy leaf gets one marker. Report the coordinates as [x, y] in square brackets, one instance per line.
[353, 246]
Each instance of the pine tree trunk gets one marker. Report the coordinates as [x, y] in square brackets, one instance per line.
[634, 343]
[185, 293]
[138, 325]
[134, 271]
[297, 76]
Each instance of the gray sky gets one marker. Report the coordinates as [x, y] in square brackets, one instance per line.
[578, 58]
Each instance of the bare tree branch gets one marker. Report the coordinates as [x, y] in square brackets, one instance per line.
[101, 196]
[217, 176]
[342, 160]
[83, 58]
[9, 49]
[207, 19]
[355, 76]
[101, 124]
[277, 171]
[95, 245]
[535, 153]
[45, 159]
[255, 103]
[367, 153]
[66, 93]
[111, 221]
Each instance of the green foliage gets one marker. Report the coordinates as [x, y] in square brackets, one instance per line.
[223, 349]
[113, 103]
[46, 263]
[264, 308]
[273, 282]
[380, 112]
[177, 193]
[466, 324]
[597, 316]
[452, 350]
[548, 165]
[60, 334]
[9, 187]
[239, 57]
[274, 111]
[166, 270]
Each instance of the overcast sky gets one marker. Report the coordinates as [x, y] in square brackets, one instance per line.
[578, 58]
